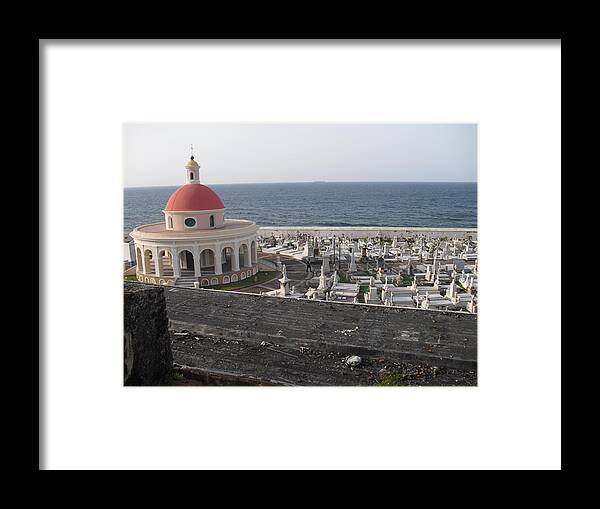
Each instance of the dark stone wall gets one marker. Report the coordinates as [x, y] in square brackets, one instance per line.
[432, 337]
[148, 359]
[229, 338]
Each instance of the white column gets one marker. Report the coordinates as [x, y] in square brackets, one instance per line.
[175, 257]
[144, 259]
[352, 267]
[218, 260]
[248, 260]
[196, 255]
[138, 260]
[235, 262]
[157, 262]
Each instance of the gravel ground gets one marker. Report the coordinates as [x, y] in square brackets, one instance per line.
[270, 363]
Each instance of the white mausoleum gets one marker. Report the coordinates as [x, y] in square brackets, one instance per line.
[195, 243]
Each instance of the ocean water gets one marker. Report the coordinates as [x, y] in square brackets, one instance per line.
[425, 204]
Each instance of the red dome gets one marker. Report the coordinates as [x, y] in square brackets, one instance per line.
[194, 197]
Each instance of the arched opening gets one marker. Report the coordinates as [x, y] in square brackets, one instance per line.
[170, 222]
[148, 262]
[226, 259]
[253, 252]
[166, 262]
[186, 263]
[207, 261]
[243, 255]
[191, 176]
[212, 221]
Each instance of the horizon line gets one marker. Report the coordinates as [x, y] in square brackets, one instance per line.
[323, 182]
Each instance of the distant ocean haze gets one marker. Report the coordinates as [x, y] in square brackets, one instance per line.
[424, 204]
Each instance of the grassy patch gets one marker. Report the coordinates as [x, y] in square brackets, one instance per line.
[406, 280]
[343, 277]
[391, 379]
[130, 277]
[405, 375]
[362, 290]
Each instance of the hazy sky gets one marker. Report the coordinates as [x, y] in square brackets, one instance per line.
[228, 153]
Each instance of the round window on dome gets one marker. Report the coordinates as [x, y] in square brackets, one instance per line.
[190, 222]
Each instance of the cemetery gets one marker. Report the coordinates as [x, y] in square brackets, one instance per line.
[415, 270]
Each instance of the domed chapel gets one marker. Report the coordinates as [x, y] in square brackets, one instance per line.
[195, 243]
